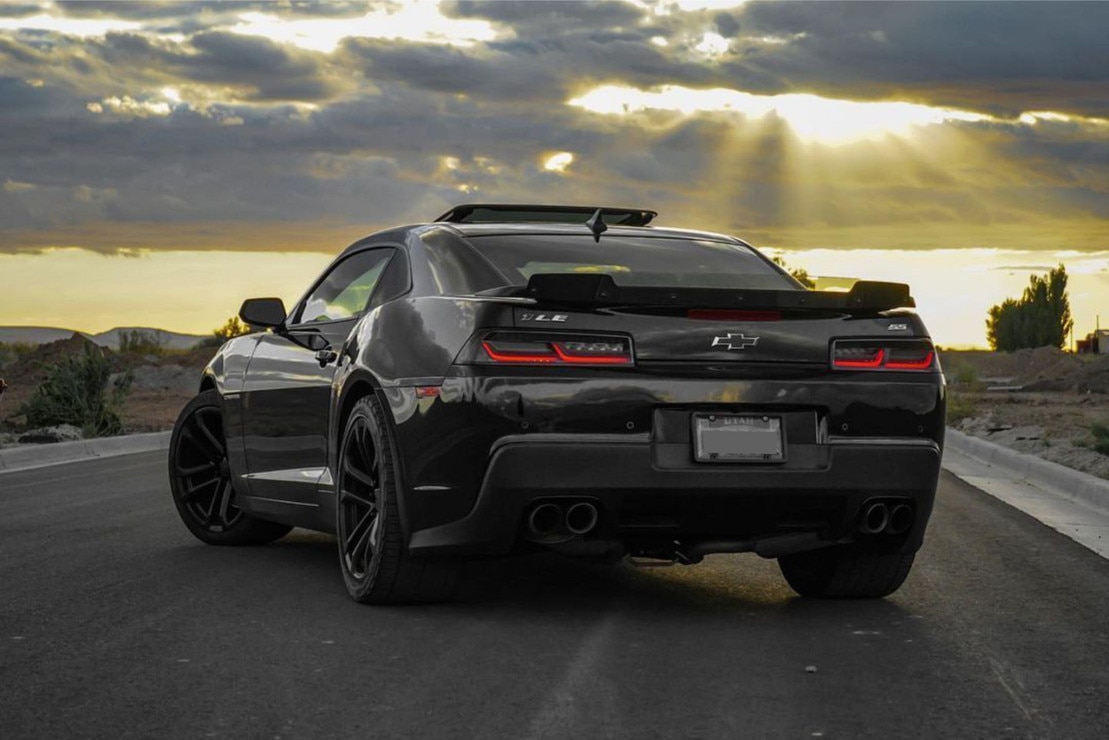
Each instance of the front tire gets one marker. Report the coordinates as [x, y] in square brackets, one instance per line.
[376, 566]
[201, 483]
[846, 572]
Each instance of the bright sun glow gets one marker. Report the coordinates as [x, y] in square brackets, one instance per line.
[81, 27]
[418, 20]
[810, 116]
[558, 162]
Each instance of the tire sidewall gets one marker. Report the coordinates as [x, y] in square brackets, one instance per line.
[369, 410]
[246, 530]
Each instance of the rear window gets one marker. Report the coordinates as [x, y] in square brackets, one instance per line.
[633, 261]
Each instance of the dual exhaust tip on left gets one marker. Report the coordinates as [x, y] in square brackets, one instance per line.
[549, 518]
[882, 518]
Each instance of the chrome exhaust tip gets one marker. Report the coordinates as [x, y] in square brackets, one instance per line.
[581, 518]
[875, 518]
[544, 520]
[901, 519]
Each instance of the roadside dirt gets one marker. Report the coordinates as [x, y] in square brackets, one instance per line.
[1040, 402]
[163, 383]
[1043, 401]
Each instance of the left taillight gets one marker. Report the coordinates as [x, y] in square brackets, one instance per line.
[877, 354]
[518, 348]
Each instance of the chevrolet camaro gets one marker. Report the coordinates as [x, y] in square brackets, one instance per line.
[513, 377]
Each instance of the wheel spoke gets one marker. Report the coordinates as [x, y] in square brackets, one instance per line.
[191, 491]
[359, 441]
[347, 496]
[202, 468]
[214, 441]
[213, 455]
[213, 505]
[225, 502]
[358, 475]
[365, 551]
[358, 533]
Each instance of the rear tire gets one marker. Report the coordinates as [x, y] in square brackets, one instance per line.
[201, 482]
[376, 566]
[846, 572]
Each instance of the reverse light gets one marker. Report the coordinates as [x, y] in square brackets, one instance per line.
[526, 349]
[916, 354]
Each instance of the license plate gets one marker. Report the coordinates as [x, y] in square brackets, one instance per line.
[738, 438]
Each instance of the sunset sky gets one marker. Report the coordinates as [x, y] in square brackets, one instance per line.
[161, 161]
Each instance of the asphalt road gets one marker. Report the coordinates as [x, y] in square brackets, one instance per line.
[115, 623]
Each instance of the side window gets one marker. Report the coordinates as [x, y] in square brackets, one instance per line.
[345, 290]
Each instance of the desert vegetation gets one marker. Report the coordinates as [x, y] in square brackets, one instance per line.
[79, 391]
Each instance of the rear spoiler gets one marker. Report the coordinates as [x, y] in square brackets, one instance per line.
[599, 289]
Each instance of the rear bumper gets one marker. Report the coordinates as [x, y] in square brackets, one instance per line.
[648, 492]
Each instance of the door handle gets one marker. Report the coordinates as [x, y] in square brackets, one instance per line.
[326, 356]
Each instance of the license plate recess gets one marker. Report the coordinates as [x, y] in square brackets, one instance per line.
[722, 438]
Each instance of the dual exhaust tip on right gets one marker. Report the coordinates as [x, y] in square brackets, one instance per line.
[882, 518]
[549, 518]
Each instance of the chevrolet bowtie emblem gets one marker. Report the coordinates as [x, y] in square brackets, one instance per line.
[734, 341]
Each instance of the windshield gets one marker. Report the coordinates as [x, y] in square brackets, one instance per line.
[633, 260]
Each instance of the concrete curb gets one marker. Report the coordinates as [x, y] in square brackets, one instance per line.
[1053, 477]
[25, 457]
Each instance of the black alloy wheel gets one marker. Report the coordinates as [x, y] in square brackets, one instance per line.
[201, 481]
[377, 568]
[359, 487]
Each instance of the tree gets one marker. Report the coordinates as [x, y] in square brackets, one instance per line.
[800, 274]
[231, 328]
[1041, 318]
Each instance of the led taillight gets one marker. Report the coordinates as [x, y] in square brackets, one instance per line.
[859, 357]
[556, 350]
[879, 355]
[917, 362]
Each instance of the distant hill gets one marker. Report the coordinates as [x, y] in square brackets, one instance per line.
[110, 338]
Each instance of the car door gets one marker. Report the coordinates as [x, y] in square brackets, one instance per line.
[287, 387]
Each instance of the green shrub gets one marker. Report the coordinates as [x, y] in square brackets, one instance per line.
[78, 391]
[1100, 433]
[10, 352]
[139, 342]
[960, 407]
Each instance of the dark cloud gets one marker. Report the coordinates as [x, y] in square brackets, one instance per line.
[549, 17]
[150, 9]
[401, 130]
[998, 56]
[19, 10]
[726, 25]
[550, 69]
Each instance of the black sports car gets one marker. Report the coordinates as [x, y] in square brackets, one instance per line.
[514, 377]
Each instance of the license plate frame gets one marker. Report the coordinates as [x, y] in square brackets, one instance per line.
[738, 438]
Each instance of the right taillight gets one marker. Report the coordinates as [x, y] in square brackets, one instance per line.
[865, 354]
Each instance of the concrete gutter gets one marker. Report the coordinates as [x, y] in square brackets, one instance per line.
[25, 457]
[1072, 503]
[1044, 474]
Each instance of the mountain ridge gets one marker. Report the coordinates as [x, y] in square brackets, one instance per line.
[109, 338]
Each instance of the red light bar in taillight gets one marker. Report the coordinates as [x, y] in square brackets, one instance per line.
[912, 354]
[526, 349]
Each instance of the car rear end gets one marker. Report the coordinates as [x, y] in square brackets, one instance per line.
[671, 395]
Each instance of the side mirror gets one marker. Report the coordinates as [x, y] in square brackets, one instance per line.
[264, 312]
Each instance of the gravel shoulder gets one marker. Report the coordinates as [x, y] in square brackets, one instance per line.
[1041, 402]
